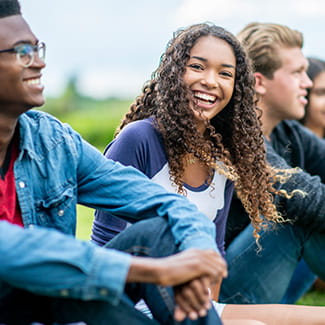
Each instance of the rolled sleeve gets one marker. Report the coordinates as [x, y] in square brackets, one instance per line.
[50, 263]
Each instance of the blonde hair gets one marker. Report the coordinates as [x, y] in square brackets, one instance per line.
[262, 40]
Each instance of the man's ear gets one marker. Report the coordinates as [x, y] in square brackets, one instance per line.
[260, 83]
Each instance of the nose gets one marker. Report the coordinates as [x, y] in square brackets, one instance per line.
[38, 63]
[209, 79]
[306, 81]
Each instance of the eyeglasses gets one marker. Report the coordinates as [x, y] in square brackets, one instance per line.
[26, 53]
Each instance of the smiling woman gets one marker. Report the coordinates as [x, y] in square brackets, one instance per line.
[199, 108]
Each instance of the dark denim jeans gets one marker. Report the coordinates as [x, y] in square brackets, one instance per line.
[24, 308]
[153, 238]
[150, 237]
[263, 277]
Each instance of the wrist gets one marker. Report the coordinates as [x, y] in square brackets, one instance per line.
[144, 270]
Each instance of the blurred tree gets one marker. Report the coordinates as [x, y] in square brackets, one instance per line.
[71, 96]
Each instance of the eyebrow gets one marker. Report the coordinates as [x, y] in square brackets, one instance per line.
[205, 60]
[25, 42]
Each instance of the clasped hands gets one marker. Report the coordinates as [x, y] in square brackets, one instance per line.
[197, 272]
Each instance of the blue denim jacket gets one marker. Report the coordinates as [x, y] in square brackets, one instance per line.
[292, 145]
[77, 269]
[56, 169]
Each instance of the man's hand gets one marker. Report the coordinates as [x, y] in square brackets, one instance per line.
[190, 272]
[189, 265]
[192, 299]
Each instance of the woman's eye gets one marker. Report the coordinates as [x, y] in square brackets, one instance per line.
[195, 66]
[227, 74]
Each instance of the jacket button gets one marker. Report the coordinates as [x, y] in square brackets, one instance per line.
[60, 213]
[21, 184]
[64, 293]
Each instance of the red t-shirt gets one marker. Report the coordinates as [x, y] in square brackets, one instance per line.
[9, 206]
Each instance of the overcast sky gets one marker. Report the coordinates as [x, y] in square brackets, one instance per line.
[114, 45]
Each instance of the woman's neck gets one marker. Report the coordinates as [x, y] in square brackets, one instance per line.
[195, 173]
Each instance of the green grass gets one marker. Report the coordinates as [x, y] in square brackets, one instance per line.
[85, 217]
[313, 298]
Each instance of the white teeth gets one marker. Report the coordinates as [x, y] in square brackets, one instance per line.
[205, 96]
[36, 81]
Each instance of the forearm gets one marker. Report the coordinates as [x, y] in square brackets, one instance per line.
[178, 269]
[49, 263]
[143, 270]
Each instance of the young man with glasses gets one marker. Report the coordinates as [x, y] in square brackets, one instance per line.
[281, 85]
[46, 169]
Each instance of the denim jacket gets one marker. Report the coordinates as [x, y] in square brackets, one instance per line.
[292, 145]
[56, 169]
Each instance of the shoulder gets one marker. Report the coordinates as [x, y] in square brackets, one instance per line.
[138, 134]
[43, 121]
[42, 131]
[139, 144]
[140, 130]
[290, 127]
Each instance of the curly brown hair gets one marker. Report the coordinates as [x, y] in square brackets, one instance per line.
[233, 137]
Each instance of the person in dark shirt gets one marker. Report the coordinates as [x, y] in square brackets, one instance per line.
[281, 85]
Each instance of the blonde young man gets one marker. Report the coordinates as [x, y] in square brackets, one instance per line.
[281, 85]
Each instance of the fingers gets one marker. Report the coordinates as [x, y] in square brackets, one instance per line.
[190, 264]
[192, 299]
[179, 314]
[218, 267]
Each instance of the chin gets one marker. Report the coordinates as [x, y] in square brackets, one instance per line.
[297, 115]
[37, 103]
[33, 105]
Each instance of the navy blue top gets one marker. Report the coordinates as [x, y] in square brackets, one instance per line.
[140, 145]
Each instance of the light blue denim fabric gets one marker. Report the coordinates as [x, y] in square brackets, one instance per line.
[76, 269]
[56, 169]
[263, 277]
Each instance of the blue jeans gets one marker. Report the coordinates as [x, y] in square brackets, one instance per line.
[153, 238]
[301, 281]
[150, 237]
[263, 277]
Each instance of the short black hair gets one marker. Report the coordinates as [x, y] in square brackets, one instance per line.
[9, 8]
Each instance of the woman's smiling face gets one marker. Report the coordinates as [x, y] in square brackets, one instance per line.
[210, 75]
